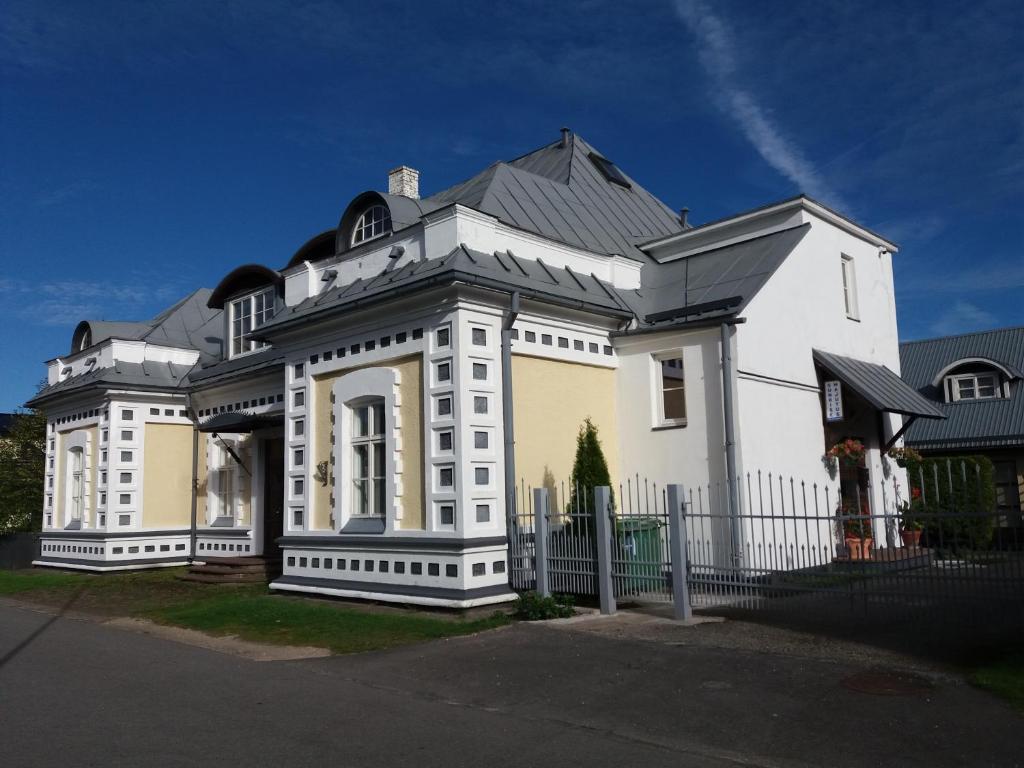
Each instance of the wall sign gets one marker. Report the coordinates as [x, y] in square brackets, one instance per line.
[833, 401]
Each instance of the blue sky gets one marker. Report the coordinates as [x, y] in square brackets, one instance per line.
[146, 148]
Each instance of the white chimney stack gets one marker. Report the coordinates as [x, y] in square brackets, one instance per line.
[404, 181]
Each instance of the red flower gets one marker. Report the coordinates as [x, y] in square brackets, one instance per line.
[915, 493]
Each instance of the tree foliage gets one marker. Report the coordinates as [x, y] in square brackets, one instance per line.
[953, 499]
[22, 467]
[589, 469]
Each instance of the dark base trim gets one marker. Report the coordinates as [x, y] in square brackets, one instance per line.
[223, 532]
[78, 563]
[341, 541]
[411, 590]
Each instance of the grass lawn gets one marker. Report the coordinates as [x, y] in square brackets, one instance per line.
[249, 611]
[1005, 678]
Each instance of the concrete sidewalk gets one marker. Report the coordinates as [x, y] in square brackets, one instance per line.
[591, 693]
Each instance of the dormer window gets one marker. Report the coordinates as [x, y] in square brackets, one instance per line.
[86, 341]
[247, 313]
[374, 222]
[973, 386]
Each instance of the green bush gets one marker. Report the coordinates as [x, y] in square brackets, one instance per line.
[22, 470]
[589, 470]
[953, 500]
[532, 607]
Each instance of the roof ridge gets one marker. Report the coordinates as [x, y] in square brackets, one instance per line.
[962, 335]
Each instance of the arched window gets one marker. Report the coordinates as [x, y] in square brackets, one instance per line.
[373, 222]
[369, 470]
[86, 341]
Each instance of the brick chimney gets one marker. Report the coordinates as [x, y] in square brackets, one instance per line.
[404, 181]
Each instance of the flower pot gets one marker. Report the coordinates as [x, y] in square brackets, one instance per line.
[858, 548]
[911, 538]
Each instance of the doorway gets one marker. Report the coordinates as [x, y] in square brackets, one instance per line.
[273, 495]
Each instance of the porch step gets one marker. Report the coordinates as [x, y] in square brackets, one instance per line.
[233, 570]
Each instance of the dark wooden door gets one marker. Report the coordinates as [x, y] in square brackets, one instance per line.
[273, 495]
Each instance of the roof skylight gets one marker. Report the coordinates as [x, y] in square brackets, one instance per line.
[609, 170]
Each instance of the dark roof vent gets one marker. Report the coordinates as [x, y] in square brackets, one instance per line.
[683, 214]
[566, 135]
[609, 170]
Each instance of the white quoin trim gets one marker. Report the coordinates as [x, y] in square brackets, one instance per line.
[368, 383]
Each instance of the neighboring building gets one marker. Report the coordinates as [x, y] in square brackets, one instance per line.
[358, 407]
[976, 381]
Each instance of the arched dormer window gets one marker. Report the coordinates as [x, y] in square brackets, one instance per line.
[86, 340]
[374, 222]
[249, 297]
[973, 381]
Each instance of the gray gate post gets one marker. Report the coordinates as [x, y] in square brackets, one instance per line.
[602, 520]
[677, 545]
[540, 540]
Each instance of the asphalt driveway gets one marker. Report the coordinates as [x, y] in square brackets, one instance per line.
[76, 692]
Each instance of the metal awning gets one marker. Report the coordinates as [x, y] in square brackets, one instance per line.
[878, 385]
[241, 421]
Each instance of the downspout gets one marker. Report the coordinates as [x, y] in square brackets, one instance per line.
[728, 414]
[195, 478]
[508, 424]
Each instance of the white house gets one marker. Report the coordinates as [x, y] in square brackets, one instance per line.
[368, 410]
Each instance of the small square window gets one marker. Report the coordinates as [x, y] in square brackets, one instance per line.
[451, 570]
[594, 348]
[446, 477]
[300, 370]
[328, 356]
[480, 371]
[303, 562]
[447, 516]
[354, 565]
[126, 456]
[124, 498]
[299, 427]
[300, 398]
[400, 337]
[483, 513]
[354, 349]
[168, 411]
[298, 486]
[514, 333]
[444, 441]
[480, 337]
[479, 404]
[479, 569]
[443, 337]
[127, 434]
[545, 338]
[482, 475]
[607, 349]
[400, 566]
[577, 344]
[563, 342]
[342, 563]
[498, 566]
[383, 566]
[481, 440]
[433, 569]
[328, 562]
[127, 415]
[154, 411]
[300, 457]
[368, 565]
[385, 341]
[444, 372]
[370, 345]
[531, 336]
[417, 333]
[444, 406]
[297, 518]
[416, 569]
[126, 477]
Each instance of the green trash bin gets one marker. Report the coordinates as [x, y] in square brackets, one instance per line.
[640, 546]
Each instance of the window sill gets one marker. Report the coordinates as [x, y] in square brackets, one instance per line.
[854, 319]
[363, 525]
[669, 425]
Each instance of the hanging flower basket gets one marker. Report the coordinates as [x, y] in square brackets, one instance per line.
[849, 452]
[903, 455]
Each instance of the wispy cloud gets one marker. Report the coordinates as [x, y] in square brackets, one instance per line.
[963, 317]
[997, 276]
[717, 55]
[67, 302]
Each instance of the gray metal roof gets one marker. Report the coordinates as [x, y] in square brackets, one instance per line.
[146, 375]
[558, 192]
[249, 363]
[878, 385]
[501, 271]
[971, 424]
[719, 282]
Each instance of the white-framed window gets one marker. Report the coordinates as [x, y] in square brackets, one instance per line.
[374, 222]
[247, 313]
[849, 287]
[369, 468]
[973, 386]
[670, 389]
[224, 479]
[76, 498]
